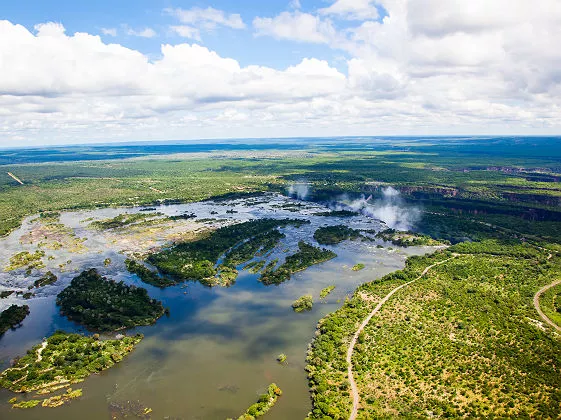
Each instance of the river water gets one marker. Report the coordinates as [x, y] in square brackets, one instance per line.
[216, 352]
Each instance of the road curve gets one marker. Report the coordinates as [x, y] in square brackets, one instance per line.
[354, 388]
[537, 304]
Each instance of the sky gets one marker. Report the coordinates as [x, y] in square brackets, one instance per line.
[129, 70]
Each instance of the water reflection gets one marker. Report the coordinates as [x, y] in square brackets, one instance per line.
[217, 350]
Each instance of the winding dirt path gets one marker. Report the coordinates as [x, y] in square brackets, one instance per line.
[537, 304]
[354, 388]
[40, 350]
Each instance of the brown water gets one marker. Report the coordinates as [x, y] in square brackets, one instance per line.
[216, 352]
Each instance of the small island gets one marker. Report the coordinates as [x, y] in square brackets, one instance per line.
[325, 292]
[27, 260]
[358, 267]
[236, 243]
[264, 404]
[61, 360]
[101, 304]
[337, 213]
[146, 275]
[304, 303]
[47, 279]
[12, 317]
[406, 238]
[332, 235]
[307, 256]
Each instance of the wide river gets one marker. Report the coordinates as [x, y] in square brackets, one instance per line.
[216, 352]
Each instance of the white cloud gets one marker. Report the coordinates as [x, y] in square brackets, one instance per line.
[143, 33]
[295, 4]
[109, 31]
[186, 32]
[352, 9]
[445, 68]
[295, 26]
[208, 18]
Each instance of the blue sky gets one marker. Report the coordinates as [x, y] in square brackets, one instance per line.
[120, 70]
[92, 16]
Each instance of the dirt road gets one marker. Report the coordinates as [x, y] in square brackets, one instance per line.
[354, 388]
[537, 304]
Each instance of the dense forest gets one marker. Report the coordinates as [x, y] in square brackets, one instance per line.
[239, 243]
[102, 304]
[332, 235]
[306, 256]
[12, 317]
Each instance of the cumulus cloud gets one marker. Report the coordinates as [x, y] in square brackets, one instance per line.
[295, 26]
[449, 66]
[186, 31]
[352, 9]
[142, 33]
[208, 18]
[109, 31]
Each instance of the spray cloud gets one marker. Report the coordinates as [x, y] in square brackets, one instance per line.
[299, 189]
[390, 209]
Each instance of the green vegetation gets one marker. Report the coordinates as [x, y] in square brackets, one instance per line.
[550, 304]
[325, 292]
[64, 359]
[47, 279]
[26, 404]
[500, 190]
[146, 275]
[5, 293]
[62, 399]
[358, 267]
[337, 213]
[28, 260]
[460, 342]
[281, 358]
[406, 239]
[471, 177]
[107, 262]
[239, 243]
[226, 277]
[264, 404]
[123, 220]
[12, 317]
[307, 256]
[255, 267]
[259, 245]
[332, 235]
[101, 304]
[304, 303]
